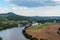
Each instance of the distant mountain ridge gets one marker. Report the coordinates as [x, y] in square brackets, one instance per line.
[7, 14]
[13, 16]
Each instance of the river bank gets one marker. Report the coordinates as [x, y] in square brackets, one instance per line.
[49, 32]
[27, 35]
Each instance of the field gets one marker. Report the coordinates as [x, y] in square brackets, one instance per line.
[47, 31]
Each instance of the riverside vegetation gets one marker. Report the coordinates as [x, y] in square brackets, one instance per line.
[27, 35]
[0, 38]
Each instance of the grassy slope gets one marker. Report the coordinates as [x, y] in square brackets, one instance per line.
[48, 32]
[37, 27]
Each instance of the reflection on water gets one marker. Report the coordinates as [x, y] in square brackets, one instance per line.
[12, 34]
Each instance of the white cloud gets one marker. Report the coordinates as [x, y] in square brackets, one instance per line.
[7, 0]
[35, 3]
[37, 11]
[56, 0]
[4, 10]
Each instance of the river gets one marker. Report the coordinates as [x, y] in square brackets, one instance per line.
[13, 34]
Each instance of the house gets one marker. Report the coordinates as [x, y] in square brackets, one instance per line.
[35, 23]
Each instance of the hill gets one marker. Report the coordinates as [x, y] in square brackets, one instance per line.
[12, 16]
[42, 19]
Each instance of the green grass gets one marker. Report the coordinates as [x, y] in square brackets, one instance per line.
[39, 27]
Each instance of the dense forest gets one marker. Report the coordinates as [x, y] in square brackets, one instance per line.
[13, 17]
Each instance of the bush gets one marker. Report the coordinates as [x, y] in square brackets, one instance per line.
[59, 29]
[33, 39]
[0, 38]
[43, 39]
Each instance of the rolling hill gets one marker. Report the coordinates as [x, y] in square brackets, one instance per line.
[12, 16]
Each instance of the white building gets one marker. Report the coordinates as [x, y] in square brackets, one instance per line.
[34, 24]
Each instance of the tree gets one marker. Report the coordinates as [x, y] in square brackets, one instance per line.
[59, 29]
[0, 38]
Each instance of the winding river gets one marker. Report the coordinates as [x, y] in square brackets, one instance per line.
[13, 34]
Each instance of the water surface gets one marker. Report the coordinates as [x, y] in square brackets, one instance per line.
[13, 34]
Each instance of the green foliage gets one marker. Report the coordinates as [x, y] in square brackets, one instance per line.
[33, 39]
[6, 25]
[59, 29]
[0, 38]
[43, 39]
[12, 16]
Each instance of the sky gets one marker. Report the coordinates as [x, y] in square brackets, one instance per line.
[31, 7]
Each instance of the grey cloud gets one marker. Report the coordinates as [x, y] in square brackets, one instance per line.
[34, 3]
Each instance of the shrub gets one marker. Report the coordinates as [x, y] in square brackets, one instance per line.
[0, 38]
[43, 39]
[33, 39]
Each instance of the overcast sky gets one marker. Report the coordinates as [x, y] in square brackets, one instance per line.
[31, 7]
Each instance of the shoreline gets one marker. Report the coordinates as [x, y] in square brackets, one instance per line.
[48, 33]
[27, 35]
